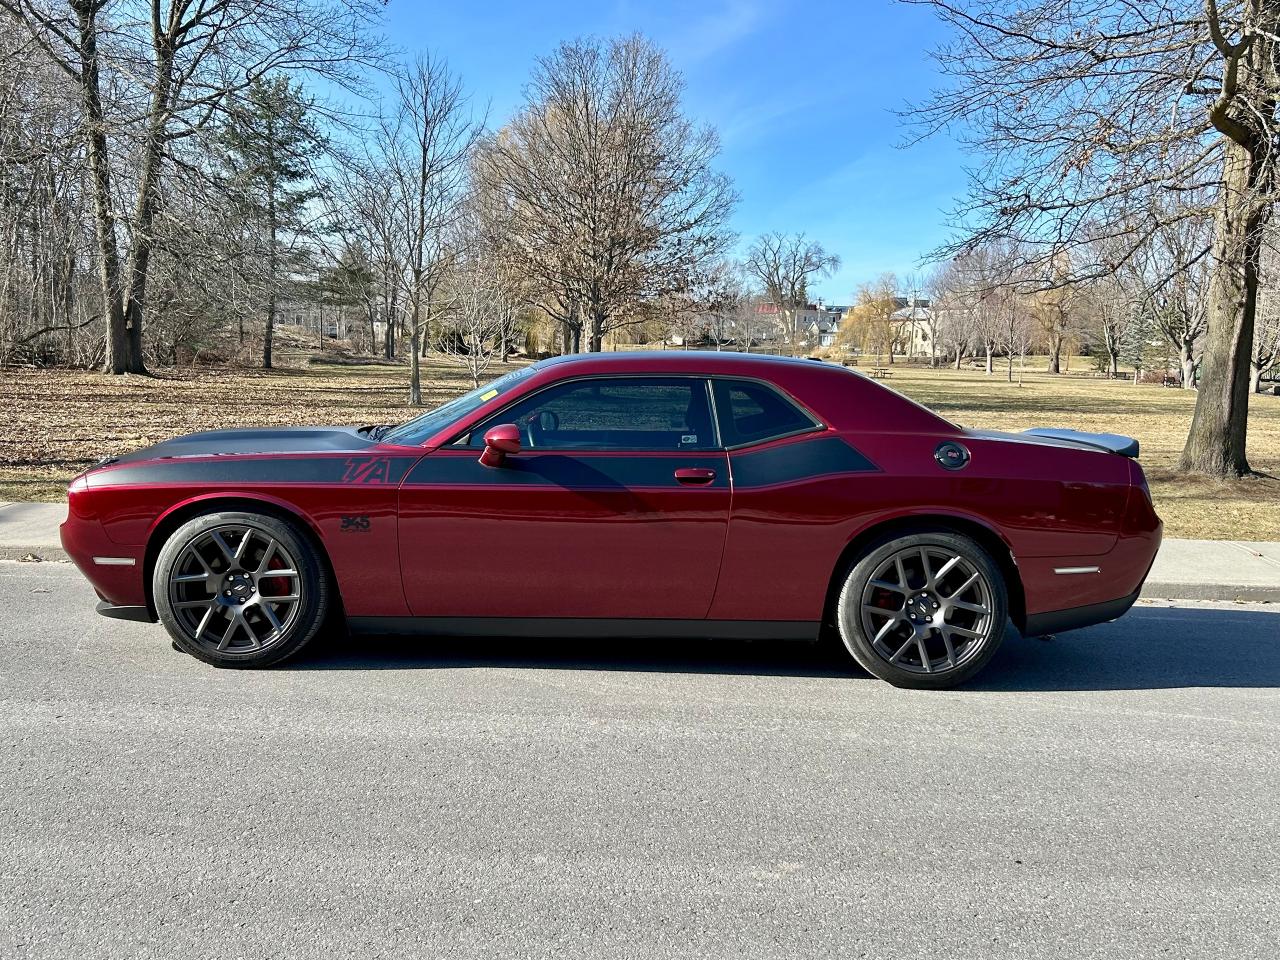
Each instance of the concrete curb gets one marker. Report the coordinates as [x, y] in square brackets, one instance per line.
[44, 553]
[1164, 590]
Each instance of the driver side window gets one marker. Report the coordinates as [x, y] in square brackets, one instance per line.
[613, 413]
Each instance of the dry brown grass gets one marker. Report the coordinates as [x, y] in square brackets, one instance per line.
[59, 422]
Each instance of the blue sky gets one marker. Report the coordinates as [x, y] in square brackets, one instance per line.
[803, 96]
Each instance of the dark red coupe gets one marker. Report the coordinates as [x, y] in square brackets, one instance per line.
[633, 494]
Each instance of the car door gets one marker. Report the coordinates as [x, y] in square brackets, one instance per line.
[616, 506]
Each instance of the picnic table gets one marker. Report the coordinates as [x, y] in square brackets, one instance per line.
[881, 372]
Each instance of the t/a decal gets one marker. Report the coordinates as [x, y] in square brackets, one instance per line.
[368, 470]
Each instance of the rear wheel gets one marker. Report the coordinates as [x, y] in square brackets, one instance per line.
[240, 589]
[926, 610]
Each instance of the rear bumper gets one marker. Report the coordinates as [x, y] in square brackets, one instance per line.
[1073, 618]
[136, 614]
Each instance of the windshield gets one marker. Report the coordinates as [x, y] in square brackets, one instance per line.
[423, 427]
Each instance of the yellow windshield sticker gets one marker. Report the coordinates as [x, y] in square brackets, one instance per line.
[489, 396]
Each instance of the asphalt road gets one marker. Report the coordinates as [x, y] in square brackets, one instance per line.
[1114, 792]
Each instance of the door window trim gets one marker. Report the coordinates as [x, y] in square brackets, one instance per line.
[463, 437]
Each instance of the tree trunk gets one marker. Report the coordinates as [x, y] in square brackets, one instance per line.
[415, 335]
[1055, 355]
[148, 199]
[1113, 366]
[1216, 442]
[415, 374]
[272, 258]
[990, 368]
[1255, 378]
[104, 224]
[1188, 365]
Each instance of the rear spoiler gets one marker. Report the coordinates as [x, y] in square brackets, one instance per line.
[1111, 442]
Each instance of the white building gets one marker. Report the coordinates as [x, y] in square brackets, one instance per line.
[911, 325]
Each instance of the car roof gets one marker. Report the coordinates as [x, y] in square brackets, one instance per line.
[703, 361]
[837, 395]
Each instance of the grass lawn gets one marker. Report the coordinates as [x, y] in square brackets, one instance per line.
[59, 422]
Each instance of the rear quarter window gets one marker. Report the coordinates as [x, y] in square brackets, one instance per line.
[752, 412]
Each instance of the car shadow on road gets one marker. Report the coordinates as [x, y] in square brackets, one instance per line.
[789, 658]
[1152, 647]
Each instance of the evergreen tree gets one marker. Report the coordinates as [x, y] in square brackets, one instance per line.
[267, 145]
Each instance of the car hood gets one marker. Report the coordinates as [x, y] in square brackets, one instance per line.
[258, 440]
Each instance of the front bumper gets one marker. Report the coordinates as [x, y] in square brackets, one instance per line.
[116, 572]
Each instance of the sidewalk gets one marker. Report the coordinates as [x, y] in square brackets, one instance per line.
[1184, 570]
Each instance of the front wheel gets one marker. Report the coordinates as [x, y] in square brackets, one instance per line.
[925, 610]
[240, 589]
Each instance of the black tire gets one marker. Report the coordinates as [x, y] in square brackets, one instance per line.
[930, 634]
[262, 623]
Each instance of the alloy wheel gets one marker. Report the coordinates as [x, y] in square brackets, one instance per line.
[235, 590]
[927, 609]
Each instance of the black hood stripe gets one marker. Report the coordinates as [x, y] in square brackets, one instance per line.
[356, 469]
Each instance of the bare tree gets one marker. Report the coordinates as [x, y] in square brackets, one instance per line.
[172, 67]
[1266, 342]
[614, 197]
[423, 148]
[43, 306]
[1113, 304]
[985, 292]
[1084, 114]
[473, 332]
[952, 311]
[750, 323]
[362, 212]
[1173, 271]
[717, 296]
[784, 265]
[937, 283]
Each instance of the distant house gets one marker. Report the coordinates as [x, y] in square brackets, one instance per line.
[911, 324]
[819, 323]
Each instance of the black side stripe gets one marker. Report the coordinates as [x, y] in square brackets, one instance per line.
[789, 463]
[802, 460]
[561, 470]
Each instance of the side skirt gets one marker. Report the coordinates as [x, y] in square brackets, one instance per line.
[576, 627]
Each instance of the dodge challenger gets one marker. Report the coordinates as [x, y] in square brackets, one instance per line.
[627, 495]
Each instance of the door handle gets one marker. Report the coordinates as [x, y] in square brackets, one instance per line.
[695, 475]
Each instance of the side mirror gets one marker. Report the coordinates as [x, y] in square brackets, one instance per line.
[498, 442]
